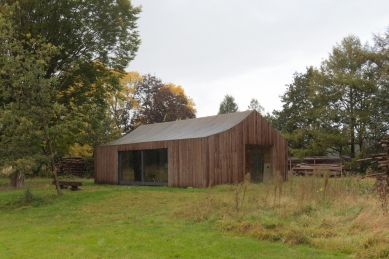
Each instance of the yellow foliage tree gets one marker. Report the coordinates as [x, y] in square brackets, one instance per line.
[122, 101]
[177, 90]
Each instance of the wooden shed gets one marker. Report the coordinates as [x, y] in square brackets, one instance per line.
[197, 152]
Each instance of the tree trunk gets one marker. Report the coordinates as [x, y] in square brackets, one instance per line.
[17, 179]
[52, 162]
[352, 124]
[54, 169]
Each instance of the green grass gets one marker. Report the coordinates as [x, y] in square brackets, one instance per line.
[104, 221]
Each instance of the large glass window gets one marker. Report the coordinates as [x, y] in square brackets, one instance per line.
[155, 165]
[131, 166]
[143, 166]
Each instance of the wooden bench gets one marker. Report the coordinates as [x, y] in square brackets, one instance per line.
[66, 184]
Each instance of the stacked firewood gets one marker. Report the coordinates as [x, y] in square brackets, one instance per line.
[320, 164]
[75, 166]
[381, 186]
[382, 160]
[335, 170]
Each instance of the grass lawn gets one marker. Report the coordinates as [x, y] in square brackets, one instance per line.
[103, 221]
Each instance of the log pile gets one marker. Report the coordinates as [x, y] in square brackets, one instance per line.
[381, 160]
[75, 166]
[335, 170]
[319, 164]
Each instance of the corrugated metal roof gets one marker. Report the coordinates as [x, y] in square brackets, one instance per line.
[183, 129]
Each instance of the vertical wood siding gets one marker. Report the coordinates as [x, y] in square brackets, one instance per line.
[106, 164]
[217, 159]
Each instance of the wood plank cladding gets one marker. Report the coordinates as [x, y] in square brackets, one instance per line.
[203, 161]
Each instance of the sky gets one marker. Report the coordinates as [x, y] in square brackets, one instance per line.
[246, 48]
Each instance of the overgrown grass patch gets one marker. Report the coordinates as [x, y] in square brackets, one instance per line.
[334, 214]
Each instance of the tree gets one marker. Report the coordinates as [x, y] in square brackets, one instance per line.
[54, 60]
[346, 85]
[334, 109]
[29, 123]
[83, 30]
[228, 105]
[172, 104]
[381, 44]
[156, 102]
[122, 101]
[144, 95]
[92, 36]
[254, 105]
[95, 40]
[303, 121]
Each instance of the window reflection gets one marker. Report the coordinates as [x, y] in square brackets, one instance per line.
[149, 166]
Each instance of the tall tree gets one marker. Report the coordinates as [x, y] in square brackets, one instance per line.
[346, 83]
[83, 30]
[32, 121]
[95, 39]
[228, 105]
[122, 100]
[96, 124]
[303, 121]
[172, 104]
[87, 33]
[381, 43]
[144, 95]
[156, 102]
[334, 109]
[92, 41]
[255, 105]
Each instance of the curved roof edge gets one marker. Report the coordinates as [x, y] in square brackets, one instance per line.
[182, 129]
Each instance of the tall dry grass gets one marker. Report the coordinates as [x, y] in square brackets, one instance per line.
[330, 213]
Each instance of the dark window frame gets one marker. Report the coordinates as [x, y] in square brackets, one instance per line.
[142, 182]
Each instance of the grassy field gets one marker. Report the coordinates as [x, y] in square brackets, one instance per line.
[103, 221]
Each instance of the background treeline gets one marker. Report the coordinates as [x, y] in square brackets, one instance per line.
[341, 107]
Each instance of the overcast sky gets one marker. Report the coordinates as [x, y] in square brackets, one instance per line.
[247, 48]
